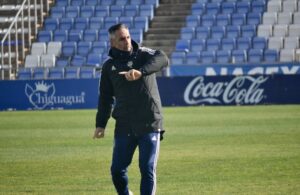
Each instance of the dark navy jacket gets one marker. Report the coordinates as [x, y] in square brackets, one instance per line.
[137, 107]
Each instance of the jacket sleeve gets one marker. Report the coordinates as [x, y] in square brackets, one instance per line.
[156, 61]
[105, 100]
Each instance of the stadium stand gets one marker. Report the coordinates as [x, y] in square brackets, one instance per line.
[252, 31]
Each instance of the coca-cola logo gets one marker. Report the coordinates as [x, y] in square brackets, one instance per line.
[240, 90]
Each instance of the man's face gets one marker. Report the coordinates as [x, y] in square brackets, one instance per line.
[122, 40]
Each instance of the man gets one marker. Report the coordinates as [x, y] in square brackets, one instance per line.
[128, 81]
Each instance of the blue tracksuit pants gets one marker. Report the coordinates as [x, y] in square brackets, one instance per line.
[124, 147]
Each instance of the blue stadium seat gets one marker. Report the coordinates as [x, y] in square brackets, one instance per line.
[259, 43]
[271, 55]
[187, 33]
[228, 44]
[212, 8]
[69, 48]
[83, 48]
[192, 20]
[217, 32]
[137, 35]
[96, 23]
[192, 58]
[99, 47]
[198, 9]
[203, 32]
[61, 3]
[62, 62]
[155, 3]
[131, 10]
[213, 44]
[90, 35]
[66, 23]
[86, 72]
[94, 59]
[75, 35]
[78, 60]
[208, 57]
[228, 7]
[147, 10]
[223, 56]
[109, 21]
[91, 2]
[71, 72]
[258, 6]
[116, 10]
[182, 45]
[57, 12]
[137, 2]
[255, 55]
[77, 2]
[128, 20]
[248, 30]
[51, 24]
[243, 7]
[178, 57]
[238, 19]
[87, 11]
[198, 45]
[208, 20]
[44, 36]
[39, 73]
[60, 35]
[81, 23]
[243, 43]
[239, 56]
[253, 18]
[103, 35]
[232, 31]
[101, 11]
[223, 19]
[24, 73]
[56, 73]
[108, 2]
[141, 22]
[122, 2]
[72, 11]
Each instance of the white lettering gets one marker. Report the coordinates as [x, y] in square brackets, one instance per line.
[240, 90]
[292, 70]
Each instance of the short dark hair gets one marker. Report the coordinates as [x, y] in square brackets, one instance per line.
[116, 27]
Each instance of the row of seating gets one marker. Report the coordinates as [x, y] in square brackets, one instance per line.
[247, 43]
[232, 56]
[200, 8]
[102, 11]
[281, 18]
[292, 30]
[97, 23]
[82, 35]
[105, 2]
[58, 73]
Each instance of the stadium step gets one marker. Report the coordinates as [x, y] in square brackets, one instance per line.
[165, 27]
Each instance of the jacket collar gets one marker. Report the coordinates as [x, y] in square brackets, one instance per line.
[123, 55]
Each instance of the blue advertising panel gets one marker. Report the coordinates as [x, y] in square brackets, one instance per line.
[174, 91]
[48, 94]
[236, 69]
[230, 90]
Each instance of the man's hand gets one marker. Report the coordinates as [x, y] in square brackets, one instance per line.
[131, 75]
[99, 133]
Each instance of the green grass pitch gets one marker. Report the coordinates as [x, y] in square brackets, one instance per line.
[207, 150]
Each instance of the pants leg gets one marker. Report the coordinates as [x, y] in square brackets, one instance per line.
[148, 155]
[124, 147]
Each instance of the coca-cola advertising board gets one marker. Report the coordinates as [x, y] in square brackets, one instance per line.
[230, 90]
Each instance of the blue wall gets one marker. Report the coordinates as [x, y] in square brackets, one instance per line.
[175, 91]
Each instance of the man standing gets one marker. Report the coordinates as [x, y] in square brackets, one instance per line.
[128, 81]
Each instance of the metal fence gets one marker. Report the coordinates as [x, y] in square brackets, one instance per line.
[18, 37]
